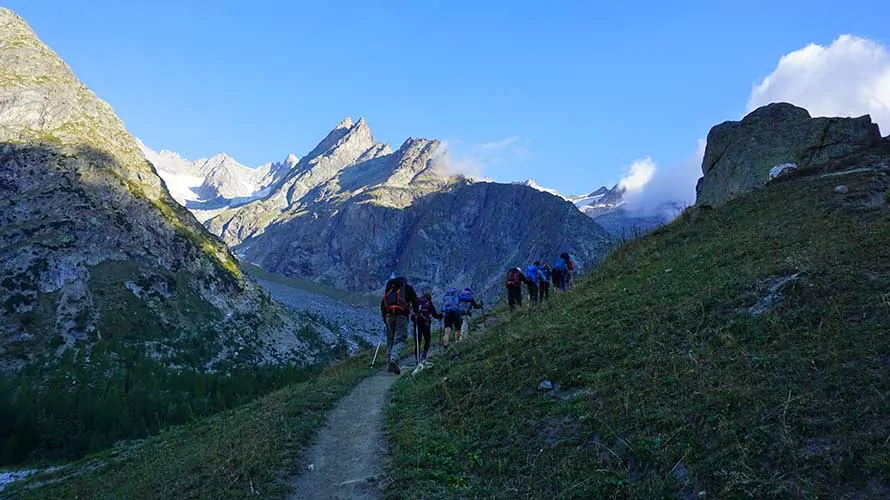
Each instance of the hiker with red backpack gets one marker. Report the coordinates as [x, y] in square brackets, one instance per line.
[399, 302]
[514, 282]
[426, 313]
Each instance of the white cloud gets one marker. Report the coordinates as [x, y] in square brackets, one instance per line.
[850, 77]
[499, 145]
[457, 159]
[450, 164]
[639, 174]
[669, 187]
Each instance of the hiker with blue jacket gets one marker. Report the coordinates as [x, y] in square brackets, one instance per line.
[466, 303]
[535, 276]
[451, 313]
[562, 272]
[399, 302]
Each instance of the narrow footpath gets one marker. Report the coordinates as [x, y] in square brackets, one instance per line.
[348, 458]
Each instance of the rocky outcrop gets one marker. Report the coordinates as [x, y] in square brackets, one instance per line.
[739, 155]
[94, 249]
[352, 211]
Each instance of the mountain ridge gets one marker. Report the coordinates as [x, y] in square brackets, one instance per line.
[349, 184]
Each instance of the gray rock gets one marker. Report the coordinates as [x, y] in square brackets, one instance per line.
[739, 155]
[841, 189]
[545, 385]
[780, 170]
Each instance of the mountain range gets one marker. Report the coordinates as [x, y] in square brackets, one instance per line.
[207, 186]
[352, 211]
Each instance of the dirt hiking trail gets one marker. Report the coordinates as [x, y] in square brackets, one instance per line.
[349, 456]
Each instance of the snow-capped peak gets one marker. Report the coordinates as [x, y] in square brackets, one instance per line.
[534, 185]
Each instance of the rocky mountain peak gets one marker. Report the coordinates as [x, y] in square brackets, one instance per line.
[93, 248]
[344, 124]
[42, 101]
[291, 160]
[415, 158]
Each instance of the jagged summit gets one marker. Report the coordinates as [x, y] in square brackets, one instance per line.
[346, 123]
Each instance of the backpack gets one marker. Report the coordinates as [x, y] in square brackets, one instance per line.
[532, 274]
[465, 300]
[451, 300]
[560, 265]
[514, 278]
[395, 299]
[426, 309]
[546, 271]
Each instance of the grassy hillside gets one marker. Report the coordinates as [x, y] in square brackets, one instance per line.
[246, 452]
[668, 383]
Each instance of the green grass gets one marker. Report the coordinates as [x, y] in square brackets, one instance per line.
[354, 299]
[667, 386]
[247, 452]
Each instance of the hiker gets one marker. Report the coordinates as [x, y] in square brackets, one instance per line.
[560, 272]
[544, 285]
[466, 303]
[451, 313]
[514, 282]
[399, 301]
[570, 270]
[426, 313]
[535, 276]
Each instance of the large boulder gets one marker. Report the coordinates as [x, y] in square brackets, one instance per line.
[740, 154]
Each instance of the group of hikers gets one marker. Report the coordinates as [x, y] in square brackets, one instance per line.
[537, 279]
[401, 306]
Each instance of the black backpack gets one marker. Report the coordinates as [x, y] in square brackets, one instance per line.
[395, 299]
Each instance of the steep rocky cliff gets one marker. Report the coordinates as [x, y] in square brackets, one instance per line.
[352, 211]
[739, 155]
[93, 249]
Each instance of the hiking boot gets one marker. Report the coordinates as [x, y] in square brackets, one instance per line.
[394, 368]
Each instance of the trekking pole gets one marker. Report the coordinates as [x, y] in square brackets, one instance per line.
[379, 340]
[416, 344]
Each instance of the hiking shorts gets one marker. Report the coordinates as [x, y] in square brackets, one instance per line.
[452, 319]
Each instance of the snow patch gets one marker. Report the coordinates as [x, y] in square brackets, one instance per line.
[534, 185]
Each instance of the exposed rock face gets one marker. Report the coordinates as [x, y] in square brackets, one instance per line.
[352, 211]
[92, 246]
[740, 155]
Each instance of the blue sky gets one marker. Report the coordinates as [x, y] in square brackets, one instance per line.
[569, 94]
